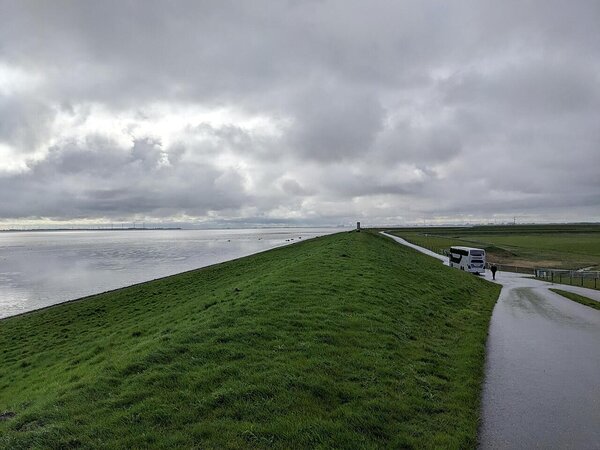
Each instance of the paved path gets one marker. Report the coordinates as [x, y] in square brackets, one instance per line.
[542, 382]
[444, 259]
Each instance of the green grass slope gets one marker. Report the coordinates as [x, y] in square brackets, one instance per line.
[348, 340]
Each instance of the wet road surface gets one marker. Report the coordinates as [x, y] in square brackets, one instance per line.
[444, 259]
[542, 382]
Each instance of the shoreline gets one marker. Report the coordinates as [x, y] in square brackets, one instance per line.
[35, 230]
[87, 297]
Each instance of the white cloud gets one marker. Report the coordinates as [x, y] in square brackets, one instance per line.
[305, 111]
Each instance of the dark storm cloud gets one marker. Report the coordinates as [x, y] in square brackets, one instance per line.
[98, 178]
[332, 123]
[24, 122]
[387, 110]
[419, 144]
[537, 87]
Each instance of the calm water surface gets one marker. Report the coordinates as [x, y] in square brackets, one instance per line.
[38, 269]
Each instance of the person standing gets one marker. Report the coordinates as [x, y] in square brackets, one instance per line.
[493, 268]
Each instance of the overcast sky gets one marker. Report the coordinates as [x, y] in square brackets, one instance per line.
[299, 112]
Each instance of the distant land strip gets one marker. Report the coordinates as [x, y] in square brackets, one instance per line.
[15, 230]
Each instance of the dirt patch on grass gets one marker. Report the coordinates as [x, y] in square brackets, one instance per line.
[30, 425]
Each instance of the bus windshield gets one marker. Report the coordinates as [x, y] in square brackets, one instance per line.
[477, 253]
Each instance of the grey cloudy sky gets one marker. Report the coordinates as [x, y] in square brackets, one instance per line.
[299, 112]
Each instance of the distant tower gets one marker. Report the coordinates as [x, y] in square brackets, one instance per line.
[357, 226]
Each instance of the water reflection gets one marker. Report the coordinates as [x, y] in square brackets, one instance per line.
[38, 269]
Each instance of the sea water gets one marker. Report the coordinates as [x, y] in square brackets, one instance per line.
[39, 269]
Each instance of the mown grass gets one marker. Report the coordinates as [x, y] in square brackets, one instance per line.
[553, 246]
[346, 341]
[578, 298]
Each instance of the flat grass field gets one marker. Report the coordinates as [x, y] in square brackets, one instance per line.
[549, 246]
[345, 341]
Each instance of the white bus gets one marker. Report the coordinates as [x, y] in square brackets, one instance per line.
[467, 258]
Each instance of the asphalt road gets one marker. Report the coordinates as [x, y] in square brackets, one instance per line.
[542, 382]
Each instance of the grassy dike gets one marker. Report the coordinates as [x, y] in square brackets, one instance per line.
[349, 340]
